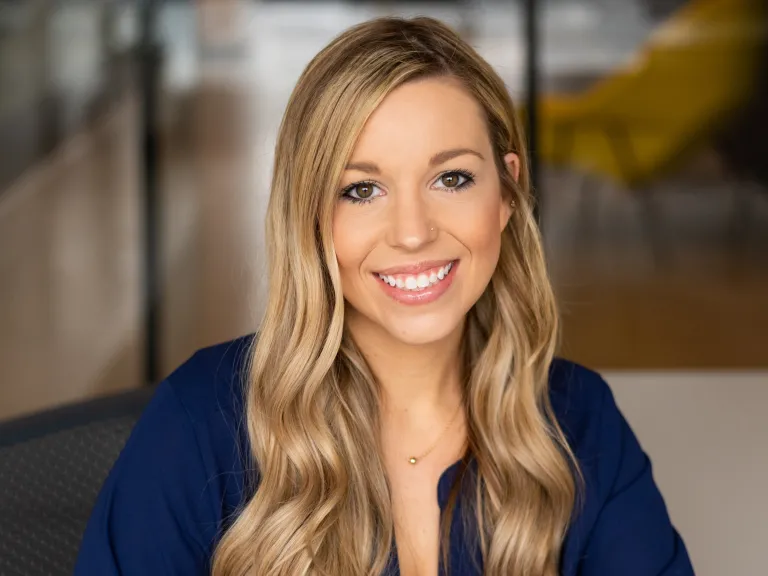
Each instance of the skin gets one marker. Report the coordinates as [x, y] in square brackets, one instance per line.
[415, 213]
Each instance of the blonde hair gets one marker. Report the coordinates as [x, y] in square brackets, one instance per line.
[322, 503]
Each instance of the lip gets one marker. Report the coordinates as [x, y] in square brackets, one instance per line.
[425, 296]
[415, 268]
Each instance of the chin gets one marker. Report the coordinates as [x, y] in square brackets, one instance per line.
[422, 329]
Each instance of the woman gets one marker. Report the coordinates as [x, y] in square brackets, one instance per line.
[406, 352]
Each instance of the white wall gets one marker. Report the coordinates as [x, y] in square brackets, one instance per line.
[707, 436]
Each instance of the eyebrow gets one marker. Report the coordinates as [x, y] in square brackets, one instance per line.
[446, 155]
[436, 160]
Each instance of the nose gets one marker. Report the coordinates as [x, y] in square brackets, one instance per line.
[410, 225]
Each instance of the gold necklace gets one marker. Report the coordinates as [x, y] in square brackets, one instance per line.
[415, 459]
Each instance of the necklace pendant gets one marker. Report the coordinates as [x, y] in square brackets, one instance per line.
[412, 460]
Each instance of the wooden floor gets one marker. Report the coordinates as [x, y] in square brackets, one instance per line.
[688, 290]
[705, 323]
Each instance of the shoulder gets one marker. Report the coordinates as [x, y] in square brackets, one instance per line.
[579, 398]
[199, 405]
[586, 412]
[621, 524]
[209, 391]
[596, 431]
[210, 384]
[180, 476]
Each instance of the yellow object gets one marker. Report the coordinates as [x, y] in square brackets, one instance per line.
[693, 73]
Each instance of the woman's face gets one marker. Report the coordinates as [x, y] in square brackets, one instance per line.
[417, 226]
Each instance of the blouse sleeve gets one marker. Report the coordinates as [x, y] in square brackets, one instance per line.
[632, 534]
[153, 514]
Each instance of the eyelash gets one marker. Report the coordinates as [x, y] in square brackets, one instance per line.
[469, 180]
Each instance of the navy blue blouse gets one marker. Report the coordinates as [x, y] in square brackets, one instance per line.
[179, 479]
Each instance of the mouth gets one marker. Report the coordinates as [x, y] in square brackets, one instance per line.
[418, 284]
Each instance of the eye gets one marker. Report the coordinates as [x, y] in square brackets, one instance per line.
[455, 180]
[361, 192]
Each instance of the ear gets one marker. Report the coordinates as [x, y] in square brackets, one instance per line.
[512, 163]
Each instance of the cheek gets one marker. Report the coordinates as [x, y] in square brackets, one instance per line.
[480, 232]
[351, 240]
[485, 247]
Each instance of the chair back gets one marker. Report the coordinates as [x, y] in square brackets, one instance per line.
[52, 466]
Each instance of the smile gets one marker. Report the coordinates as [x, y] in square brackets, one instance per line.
[417, 282]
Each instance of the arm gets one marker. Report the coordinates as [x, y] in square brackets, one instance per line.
[632, 534]
[154, 514]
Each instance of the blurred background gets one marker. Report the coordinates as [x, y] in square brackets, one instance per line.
[136, 143]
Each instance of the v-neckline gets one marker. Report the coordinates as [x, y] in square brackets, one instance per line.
[444, 484]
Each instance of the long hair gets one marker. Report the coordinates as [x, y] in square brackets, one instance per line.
[320, 503]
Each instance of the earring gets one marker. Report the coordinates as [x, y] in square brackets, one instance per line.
[512, 203]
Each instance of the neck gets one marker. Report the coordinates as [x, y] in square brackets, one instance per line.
[417, 382]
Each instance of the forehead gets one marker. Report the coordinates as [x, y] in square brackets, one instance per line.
[421, 118]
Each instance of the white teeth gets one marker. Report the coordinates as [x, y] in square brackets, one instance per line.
[420, 282]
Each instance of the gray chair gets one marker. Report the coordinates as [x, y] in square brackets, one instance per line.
[52, 466]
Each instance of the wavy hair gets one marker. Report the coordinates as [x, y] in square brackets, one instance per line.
[320, 503]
